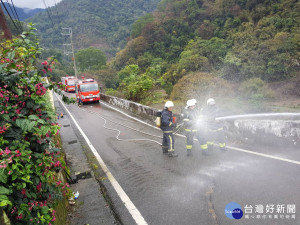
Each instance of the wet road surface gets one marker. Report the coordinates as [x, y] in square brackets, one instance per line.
[192, 189]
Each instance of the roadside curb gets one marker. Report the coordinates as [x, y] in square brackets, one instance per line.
[91, 207]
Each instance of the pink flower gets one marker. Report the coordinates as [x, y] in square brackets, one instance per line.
[9, 172]
[23, 192]
[10, 159]
[18, 111]
[49, 69]
[57, 163]
[19, 216]
[39, 187]
[45, 63]
[3, 166]
[13, 210]
[53, 219]
[7, 151]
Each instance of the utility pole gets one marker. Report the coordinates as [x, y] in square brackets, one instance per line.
[72, 52]
[3, 24]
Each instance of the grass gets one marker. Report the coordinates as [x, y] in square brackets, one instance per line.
[62, 207]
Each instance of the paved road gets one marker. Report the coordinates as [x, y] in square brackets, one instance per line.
[193, 189]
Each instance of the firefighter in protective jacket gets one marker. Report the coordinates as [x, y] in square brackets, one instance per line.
[191, 126]
[167, 125]
[214, 129]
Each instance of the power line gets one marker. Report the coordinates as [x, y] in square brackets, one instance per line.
[9, 15]
[3, 24]
[48, 13]
[14, 23]
[15, 16]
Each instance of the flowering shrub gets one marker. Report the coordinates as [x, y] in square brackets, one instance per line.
[29, 160]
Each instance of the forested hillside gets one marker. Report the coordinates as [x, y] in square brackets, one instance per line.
[234, 43]
[103, 24]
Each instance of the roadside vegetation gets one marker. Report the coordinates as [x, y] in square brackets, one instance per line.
[30, 160]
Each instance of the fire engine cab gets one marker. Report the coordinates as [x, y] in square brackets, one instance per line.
[70, 83]
[87, 90]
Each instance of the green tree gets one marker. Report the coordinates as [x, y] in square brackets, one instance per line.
[90, 59]
[140, 23]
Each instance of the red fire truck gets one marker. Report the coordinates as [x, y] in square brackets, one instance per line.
[70, 83]
[87, 90]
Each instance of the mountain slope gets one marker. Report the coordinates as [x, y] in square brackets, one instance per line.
[104, 24]
[236, 39]
[23, 13]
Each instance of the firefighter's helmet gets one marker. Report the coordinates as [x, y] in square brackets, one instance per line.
[190, 102]
[169, 104]
[211, 101]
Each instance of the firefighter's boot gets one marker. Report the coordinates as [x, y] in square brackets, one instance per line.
[172, 154]
[223, 149]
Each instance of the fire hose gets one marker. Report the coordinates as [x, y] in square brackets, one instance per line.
[119, 132]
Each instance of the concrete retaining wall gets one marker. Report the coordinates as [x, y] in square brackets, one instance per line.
[136, 108]
[280, 130]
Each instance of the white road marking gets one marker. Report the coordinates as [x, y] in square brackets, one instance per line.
[137, 216]
[263, 155]
[229, 147]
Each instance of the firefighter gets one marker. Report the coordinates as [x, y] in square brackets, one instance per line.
[214, 130]
[192, 126]
[189, 120]
[167, 125]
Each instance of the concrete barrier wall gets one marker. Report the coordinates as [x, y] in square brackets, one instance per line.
[136, 108]
[285, 133]
[275, 131]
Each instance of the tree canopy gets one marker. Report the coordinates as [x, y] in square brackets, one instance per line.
[90, 59]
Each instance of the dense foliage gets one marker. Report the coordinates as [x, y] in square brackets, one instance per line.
[29, 159]
[90, 59]
[103, 24]
[236, 40]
